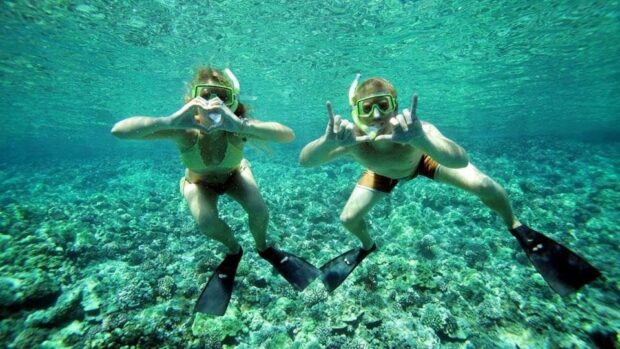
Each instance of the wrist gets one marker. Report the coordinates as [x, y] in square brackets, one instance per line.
[244, 125]
[329, 143]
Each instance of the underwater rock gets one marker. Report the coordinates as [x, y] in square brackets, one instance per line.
[34, 290]
[373, 323]
[342, 329]
[491, 308]
[604, 339]
[439, 319]
[166, 287]
[31, 337]
[90, 301]
[67, 308]
[219, 328]
[135, 294]
[427, 246]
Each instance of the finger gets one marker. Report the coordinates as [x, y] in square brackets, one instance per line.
[337, 121]
[342, 131]
[407, 115]
[210, 128]
[346, 128]
[384, 138]
[394, 122]
[401, 122]
[362, 139]
[414, 104]
[346, 124]
[330, 115]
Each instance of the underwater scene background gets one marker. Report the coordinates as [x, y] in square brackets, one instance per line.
[98, 248]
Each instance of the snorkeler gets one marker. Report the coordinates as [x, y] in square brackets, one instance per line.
[210, 131]
[396, 147]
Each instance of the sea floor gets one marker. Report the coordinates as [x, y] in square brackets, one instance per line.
[104, 254]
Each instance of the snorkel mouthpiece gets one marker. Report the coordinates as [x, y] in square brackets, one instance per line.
[372, 132]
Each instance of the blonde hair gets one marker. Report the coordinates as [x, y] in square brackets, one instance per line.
[372, 86]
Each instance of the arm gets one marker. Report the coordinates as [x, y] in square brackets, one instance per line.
[320, 151]
[408, 129]
[269, 131]
[173, 126]
[339, 139]
[442, 149]
[144, 127]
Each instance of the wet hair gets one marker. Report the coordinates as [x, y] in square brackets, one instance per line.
[208, 74]
[372, 86]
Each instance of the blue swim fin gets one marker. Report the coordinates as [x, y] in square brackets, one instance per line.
[334, 272]
[561, 268]
[216, 294]
[295, 270]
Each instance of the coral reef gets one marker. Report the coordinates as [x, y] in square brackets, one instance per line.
[119, 263]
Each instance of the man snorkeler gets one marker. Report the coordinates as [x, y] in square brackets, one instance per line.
[396, 147]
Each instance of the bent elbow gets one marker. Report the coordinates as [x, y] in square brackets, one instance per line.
[116, 132]
[287, 136]
[304, 162]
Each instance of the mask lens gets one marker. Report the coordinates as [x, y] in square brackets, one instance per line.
[384, 104]
[209, 92]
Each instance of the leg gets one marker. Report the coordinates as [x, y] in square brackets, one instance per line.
[472, 180]
[202, 203]
[244, 190]
[352, 217]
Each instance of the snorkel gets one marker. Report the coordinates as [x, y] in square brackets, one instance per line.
[236, 88]
[371, 131]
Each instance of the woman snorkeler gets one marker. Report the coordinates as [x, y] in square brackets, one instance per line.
[210, 131]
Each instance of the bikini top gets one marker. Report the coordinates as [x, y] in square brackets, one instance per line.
[192, 158]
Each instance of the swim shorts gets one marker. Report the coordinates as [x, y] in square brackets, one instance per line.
[373, 181]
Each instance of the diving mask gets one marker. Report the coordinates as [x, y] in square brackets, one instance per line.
[384, 103]
[228, 95]
[209, 91]
[370, 109]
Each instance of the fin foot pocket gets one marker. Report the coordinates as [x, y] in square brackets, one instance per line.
[297, 271]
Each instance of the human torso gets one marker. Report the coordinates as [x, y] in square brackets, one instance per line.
[212, 156]
[388, 159]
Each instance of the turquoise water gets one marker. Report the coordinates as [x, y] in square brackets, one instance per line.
[99, 250]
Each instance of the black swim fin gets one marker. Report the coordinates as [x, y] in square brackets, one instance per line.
[562, 268]
[216, 294]
[334, 272]
[295, 270]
